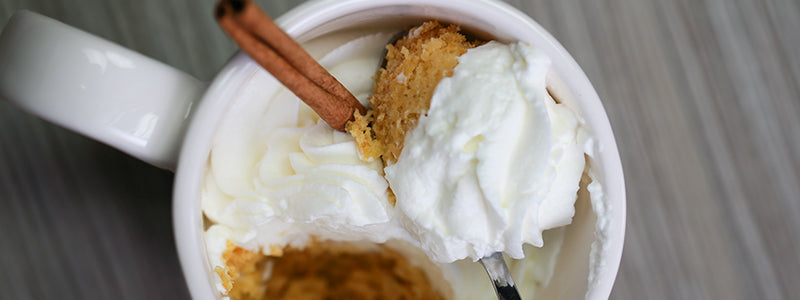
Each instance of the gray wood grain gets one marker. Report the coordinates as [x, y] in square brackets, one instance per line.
[704, 98]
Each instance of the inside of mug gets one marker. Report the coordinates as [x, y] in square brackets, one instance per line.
[573, 263]
[405, 16]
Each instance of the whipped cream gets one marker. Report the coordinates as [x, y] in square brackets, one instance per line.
[493, 162]
[278, 175]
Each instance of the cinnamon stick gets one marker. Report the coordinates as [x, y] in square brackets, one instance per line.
[287, 61]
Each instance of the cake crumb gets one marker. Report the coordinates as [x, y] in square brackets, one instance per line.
[239, 275]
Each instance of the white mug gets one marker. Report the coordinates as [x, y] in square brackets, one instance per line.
[167, 118]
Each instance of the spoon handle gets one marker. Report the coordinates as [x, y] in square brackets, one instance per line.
[498, 272]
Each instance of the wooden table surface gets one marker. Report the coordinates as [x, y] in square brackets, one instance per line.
[703, 96]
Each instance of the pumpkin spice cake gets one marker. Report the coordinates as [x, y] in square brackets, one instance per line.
[403, 88]
[481, 159]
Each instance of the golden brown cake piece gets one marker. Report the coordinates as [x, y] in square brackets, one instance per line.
[239, 276]
[324, 271]
[403, 88]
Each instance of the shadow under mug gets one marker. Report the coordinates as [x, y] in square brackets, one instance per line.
[167, 118]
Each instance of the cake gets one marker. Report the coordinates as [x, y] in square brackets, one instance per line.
[403, 87]
[324, 270]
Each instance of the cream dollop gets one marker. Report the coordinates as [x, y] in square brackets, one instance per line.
[494, 162]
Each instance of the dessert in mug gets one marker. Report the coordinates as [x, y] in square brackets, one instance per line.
[463, 153]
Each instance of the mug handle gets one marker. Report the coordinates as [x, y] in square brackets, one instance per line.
[96, 88]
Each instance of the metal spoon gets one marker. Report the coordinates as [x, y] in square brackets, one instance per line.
[498, 272]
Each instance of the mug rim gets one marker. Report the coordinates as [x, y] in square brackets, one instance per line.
[187, 213]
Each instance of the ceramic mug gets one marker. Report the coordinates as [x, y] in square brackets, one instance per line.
[167, 118]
